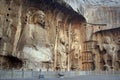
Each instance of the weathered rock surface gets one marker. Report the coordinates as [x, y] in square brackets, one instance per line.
[60, 34]
[36, 32]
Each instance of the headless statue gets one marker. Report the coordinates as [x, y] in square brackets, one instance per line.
[111, 49]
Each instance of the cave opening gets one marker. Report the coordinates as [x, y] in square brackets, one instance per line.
[13, 62]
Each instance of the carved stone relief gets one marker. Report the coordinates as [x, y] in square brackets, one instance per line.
[107, 52]
[34, 43]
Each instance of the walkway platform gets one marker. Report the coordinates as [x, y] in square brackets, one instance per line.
[71, 75]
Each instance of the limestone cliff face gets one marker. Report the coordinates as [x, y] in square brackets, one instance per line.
[98, 11]
[59, 34]
[33, 41]
[102, 32]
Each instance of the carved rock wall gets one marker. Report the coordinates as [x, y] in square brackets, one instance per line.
[61, 23]
[58, 38]
[108, 47]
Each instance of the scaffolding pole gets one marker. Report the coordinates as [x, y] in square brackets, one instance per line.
[55, 49]
[69, 46]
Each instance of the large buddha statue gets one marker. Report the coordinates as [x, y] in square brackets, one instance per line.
[34, 42]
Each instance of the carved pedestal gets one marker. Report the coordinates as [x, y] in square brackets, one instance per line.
[87, 61]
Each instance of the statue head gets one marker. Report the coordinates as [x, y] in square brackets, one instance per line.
[107, 40]
[39, 18]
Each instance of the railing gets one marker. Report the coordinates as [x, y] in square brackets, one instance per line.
[30, 74]
[18, 74]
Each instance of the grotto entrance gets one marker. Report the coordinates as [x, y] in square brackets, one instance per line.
[10, 62]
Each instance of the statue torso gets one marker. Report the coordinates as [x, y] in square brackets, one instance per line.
[34, 35]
